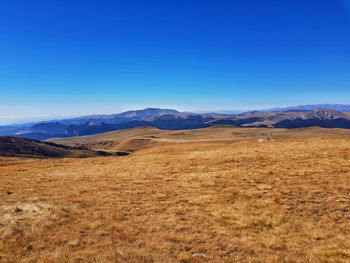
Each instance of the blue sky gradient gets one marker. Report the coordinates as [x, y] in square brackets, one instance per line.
[63, 57]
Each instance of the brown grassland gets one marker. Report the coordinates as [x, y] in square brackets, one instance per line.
[219, 199]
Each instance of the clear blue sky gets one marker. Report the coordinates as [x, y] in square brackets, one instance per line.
[68, 57]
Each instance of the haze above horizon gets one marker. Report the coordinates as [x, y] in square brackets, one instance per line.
[65, 58]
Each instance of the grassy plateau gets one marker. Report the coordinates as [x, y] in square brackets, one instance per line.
[211, 195]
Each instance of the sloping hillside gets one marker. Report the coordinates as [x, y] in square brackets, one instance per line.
[148, 137]
[21, 147]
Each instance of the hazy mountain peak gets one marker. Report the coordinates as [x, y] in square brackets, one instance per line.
[313, 107]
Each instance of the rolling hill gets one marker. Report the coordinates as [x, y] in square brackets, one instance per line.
[140, 138]
[22, 147]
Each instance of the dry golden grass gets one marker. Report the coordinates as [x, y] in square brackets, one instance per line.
[148, 137]
[281, 201]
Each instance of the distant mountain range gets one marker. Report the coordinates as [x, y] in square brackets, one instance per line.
[312, 107]
[133, 115]
[322, 115]
[290, 119]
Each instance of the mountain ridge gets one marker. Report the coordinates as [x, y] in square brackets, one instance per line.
[169, 119]
[312, 107]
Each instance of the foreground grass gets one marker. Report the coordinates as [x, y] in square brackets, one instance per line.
[242, 202]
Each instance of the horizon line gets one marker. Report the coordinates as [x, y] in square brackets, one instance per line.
[20, 119]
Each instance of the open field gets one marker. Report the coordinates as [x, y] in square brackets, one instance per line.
[147, 137]
[221, 197]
